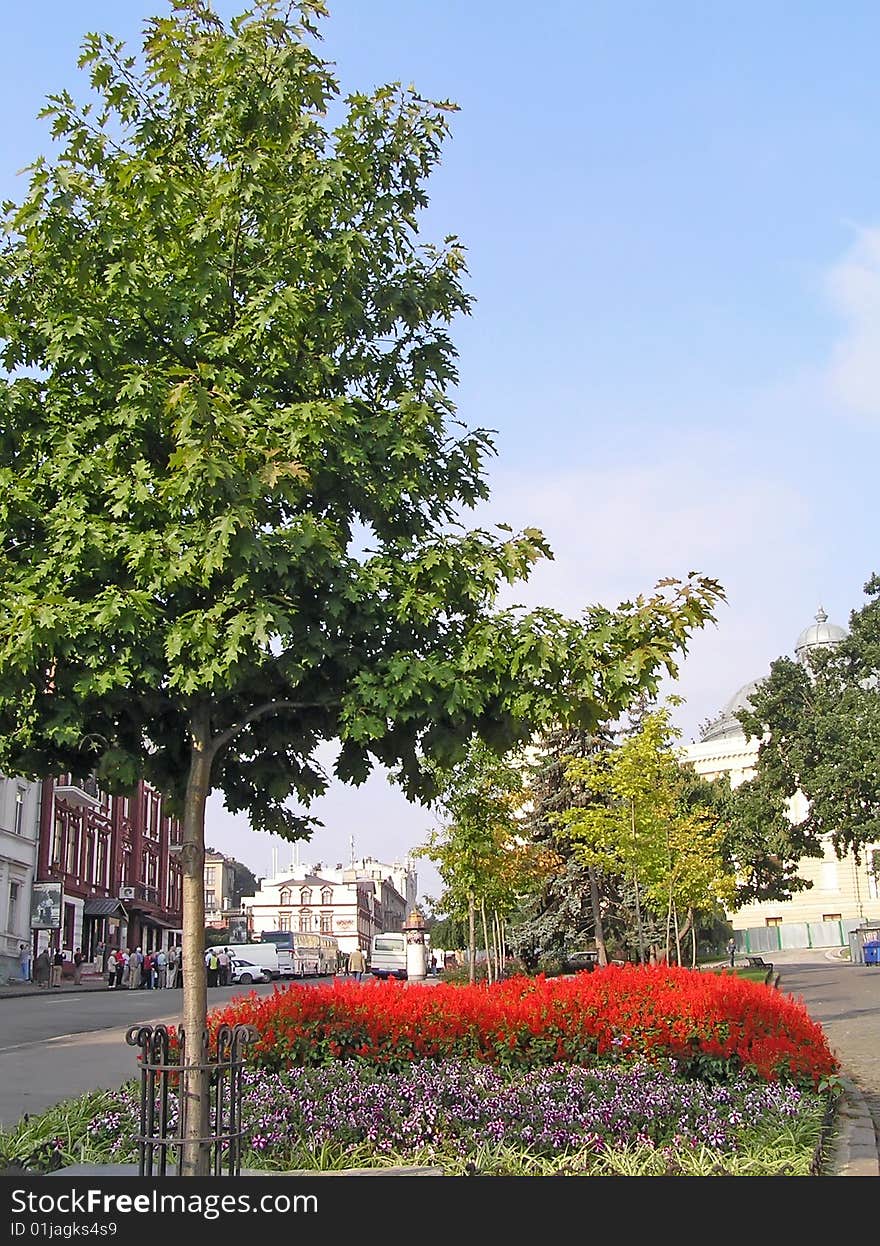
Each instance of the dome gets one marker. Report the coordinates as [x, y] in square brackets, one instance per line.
[817, 635]
[727, 724]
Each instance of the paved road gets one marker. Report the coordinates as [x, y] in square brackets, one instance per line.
[59, 1046]
[845, 1000]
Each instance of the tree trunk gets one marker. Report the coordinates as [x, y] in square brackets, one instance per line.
[693, 923]
[598, 928]
[472, 941]
[196, 1155]
[677, 935]
[636, 885]
[486, 942]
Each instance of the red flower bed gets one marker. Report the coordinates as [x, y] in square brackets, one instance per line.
[714, 1025]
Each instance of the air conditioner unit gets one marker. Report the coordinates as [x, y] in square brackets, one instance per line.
[126, 893]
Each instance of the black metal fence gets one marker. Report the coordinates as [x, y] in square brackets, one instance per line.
[163, 1103]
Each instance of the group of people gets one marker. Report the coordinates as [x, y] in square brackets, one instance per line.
[136, 970]
[352, 964]
[49, 967]
[219, 966]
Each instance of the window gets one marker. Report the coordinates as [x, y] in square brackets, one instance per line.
[72, 849]
[305, 896]
[773, 921]
[57, 841]
[12, 911]
[209, 875]
[285, 895]
[305, 922]
[830, 917]
[326, 895]
[210, 900]
[326, 923]
[101, 867]
[18, 817]
[284, 921]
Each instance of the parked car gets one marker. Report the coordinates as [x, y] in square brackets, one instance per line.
[245, 972]
[581, 962]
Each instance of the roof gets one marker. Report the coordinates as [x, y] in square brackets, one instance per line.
[103, 906]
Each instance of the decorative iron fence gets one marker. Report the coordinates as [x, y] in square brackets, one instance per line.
[163, 1102]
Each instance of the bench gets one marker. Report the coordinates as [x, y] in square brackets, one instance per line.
[758, 962]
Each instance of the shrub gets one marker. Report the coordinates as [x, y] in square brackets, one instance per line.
[713, 1026]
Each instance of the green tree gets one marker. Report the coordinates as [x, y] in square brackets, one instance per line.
[572, 899]
[649, 830]
[479, 853]
[819, 731]
[232, 478]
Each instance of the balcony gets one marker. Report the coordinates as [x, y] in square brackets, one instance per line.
[82, 792]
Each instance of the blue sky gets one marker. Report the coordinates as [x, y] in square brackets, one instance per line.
[672, 215]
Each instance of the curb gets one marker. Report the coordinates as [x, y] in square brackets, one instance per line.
[852, 1150]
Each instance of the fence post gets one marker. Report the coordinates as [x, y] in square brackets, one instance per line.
[161, 1113]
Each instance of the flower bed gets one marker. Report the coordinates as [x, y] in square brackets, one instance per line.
[564, 1117]
[712, 1026]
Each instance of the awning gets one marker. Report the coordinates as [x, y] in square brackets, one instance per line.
[103, 906]
[148, 919]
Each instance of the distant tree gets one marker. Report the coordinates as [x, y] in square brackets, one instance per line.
[819, 732]
[244, 883]
[571, 899]
[232, 478]
[649, 830]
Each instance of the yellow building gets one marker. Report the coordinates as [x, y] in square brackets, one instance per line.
[844, 894]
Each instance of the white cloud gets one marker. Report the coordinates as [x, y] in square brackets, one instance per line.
[854, 287]
[615, 533]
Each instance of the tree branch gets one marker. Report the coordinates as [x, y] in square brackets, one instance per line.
[261, 711]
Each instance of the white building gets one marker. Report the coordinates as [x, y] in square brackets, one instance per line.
[19, 829]
[351, 903]
[844, 893]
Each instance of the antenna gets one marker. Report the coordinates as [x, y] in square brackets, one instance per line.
[274, 860]
[351, 849]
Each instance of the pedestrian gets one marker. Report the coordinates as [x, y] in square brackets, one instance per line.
[147, 972]
[42, 969]
[357, 964]
[122, 973]
[213, 964]
[77, 967]
[171, 971]
[24, 962]
[102, 951]
[135, 961]
[161, 969]
[225, 967]
[731, 950]
[57, 967]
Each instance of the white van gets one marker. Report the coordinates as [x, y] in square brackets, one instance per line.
[388, 955]
[263, 954]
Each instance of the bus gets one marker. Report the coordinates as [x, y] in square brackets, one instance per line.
[312, 955]
[388, 955]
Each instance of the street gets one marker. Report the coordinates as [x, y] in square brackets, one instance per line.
[59, 1046]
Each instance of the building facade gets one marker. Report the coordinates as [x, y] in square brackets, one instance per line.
[114, 858]
[219, 887]
[350, 903]
[19, 824]
[844, 892]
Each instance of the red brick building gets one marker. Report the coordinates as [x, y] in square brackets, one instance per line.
[114, 857]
